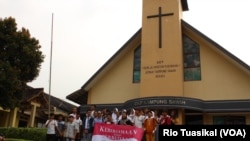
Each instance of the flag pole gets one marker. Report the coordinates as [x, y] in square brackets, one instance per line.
[50, 72]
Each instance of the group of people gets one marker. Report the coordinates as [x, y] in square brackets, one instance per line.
[80, 127]
[60, 129]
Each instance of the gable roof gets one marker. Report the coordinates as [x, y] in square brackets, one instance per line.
[83, 92]
[80, 96]
[216, 45]
[32, 93]
[60, 104]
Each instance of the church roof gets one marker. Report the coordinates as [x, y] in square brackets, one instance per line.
[80, 96]
[216, 45]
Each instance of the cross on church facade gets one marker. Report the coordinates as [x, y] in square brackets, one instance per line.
[160, 15]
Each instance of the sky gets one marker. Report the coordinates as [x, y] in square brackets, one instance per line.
[86, 33]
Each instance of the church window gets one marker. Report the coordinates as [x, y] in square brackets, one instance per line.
[191, 55]
[137, 65]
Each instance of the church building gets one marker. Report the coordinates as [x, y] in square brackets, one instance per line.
[168, 64]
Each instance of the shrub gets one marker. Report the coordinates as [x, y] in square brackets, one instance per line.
[34, 134]
[16, 140]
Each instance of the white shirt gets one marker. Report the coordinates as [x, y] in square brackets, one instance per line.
[87, 123]
[131, 116]
[70, 129]
[78, 123]
[92, 113]
[74, 116]
[138, 121]
[128, 117]
[51, 126]
[114, 118]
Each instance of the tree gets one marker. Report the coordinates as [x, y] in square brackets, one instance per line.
[20, 62]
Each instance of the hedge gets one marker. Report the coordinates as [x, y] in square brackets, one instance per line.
[8, 139]
[33, 134]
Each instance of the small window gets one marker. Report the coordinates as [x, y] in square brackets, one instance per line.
[194, 120]
[229, 120]
[137, 65]
[191, 55]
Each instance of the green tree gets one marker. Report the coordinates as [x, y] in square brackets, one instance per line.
[20, 62]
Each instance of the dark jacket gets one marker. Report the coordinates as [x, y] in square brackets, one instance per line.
[91, 127]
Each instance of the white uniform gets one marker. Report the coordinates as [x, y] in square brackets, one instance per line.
[51, 126]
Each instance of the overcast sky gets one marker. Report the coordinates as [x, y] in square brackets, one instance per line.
[86, 33]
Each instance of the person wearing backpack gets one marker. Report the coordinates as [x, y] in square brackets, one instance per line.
[52, 127]
[61, 126]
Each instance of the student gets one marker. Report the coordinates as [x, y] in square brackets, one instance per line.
[61, 124]
[52, 126]
[78, 121]
[71, 129]
[138, 118]
[88, 126]
[115, 115]
[150, 127]
[74, 112]
[165, 119]
[109, 119]
[98, 119]
[124, 120]
[93, 109]
[174, 117]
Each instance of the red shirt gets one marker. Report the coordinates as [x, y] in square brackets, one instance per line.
[166, 120]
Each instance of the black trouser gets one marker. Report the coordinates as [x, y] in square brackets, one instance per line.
[68, 139]
[78, 137]
[50, 137]
[144, 136]
[59, 138]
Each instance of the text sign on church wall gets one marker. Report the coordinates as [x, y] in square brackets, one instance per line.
[157, 101]
[160, 69]
[169, 101]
